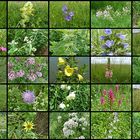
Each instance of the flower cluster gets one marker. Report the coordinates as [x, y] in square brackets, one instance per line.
[67, 72]
[27, 70]
[67, 14]
[109, 13]
[71, 96]
[74, 123]
[114, 43]
[3, 50]
[27, 12]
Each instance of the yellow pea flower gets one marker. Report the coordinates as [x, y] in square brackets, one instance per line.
[80, 77]
[61, 61]
[68, 71]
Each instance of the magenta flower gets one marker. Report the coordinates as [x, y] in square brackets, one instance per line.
[20, 73]
[117, 88]
[102, 100]
[11, 75]
[111, 96]
[32, 77]
[28, 97]
[3, 49]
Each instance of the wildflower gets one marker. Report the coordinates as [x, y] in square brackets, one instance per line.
[109, 43]
[102, 100]
[59, 118]
[125, 45]
[65, 9]
[13, 43]
[68, 87]
[61, 61]
[102, 37]
[63, 87]
[71, 14]
[11, 75]
[80, 77]
[30, 61]
[71, 96]
[20, 73]
[111, 96]
[119, 102]
[104, 92]
[32, 77]
[28, 126]
[117, 88]
[28, 97]
[121, 36]
[62, 106]
[108, 74]
[67, 132]
[3, 49]
[68, 71]
[108, 31]
[39, 74]
[68, 18]
[81, 137]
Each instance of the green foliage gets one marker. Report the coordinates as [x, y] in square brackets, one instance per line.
[3, 98]
[2, 70]
[136, 99]
[136, 14]
[16, 102]
[38, 20]
[76, 130]
[3, 14]
[57, 19]
[60, 93]
[136, 43]
[111, 14]
[69, 42]
[122, 100]
[28, 42]
[111, 125]
[2, 125]
[136, 69]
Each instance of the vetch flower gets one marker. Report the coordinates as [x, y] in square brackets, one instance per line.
[80, 77]
[62, 106]
[28, 126]
[109, 43]
[68, 71]
[28, 97]
[61, 61]
[108, 31]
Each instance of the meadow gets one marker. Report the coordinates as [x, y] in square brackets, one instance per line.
[136, 44]
[28, 98]
[111, 14]
[136, 98]
[3, 48]
[111, 125]
[2, 70]
[3, 98]
[36, 17]
[121, 42]
[111, 97]
[69, 125]
[69, 42]
[2, 125]
[69, 97]
[27, 125]
[68, 14]
[3, 14]
[27, 42]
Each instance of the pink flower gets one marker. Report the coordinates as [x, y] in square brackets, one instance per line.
[102, 100]
[30, 61]
[20, 73]
[32, 77]
[111, 96]
[104, 92]
[39, 74]
[11, 75]
[3, 49]
[117, 88]
[108, 74]
[119, 102]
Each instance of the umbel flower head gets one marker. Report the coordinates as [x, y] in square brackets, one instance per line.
[28, 97]
[28, 126]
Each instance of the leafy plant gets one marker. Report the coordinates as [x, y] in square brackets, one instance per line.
[2, 125]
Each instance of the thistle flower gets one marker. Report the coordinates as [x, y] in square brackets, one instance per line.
[28, 97]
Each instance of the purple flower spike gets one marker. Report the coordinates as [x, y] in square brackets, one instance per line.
[109, 43]
[68, 18]
[64, 9]
[28, 97]
[71, 14]
[108, 31]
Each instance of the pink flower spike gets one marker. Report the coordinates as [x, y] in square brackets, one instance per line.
[117, 88]
[111, 96]
[102, 100]
[104, 92]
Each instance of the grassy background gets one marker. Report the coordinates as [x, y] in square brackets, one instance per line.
[2, 97]
[121, 73]
[136, 99]
[2, 125]
[39, 20]
[2, 14]
[119, 21]
[2, 70]
[136, 43]
[81, 14]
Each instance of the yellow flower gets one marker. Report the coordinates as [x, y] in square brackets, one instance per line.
[61, 61]
[68, 71]
[80, 77]
[28, 126]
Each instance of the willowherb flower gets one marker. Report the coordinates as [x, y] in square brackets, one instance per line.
[108, 31]
[20, 73]
[30, 61]
[11, 75]
[28, 97]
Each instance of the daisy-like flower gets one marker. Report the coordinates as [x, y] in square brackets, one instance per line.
[28, 126]
[68, 71]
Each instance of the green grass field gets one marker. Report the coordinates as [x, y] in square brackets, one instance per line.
[3, 98]
[2, 125]
[80, 19]
[38, 20]
[121, 73]
[136, 43]
[2, 70]
[136, 99]
[115, 17]
[2, 14]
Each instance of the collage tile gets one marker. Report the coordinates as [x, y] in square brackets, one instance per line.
[69, 69]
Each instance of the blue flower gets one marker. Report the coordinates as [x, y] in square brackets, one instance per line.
[102, 37]
[68, 18]
[64, 9]
[121, 36]
[125, 45]
[108, 31]
[109, 43]
[71, 14]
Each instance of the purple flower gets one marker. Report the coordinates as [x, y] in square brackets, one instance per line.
[30, 61]
[28, 97]
[68, 18]
[121, 36]
[39, 74]
[20, 73]
[3, 49]
[71, 14]
[102, 37]
[32, 77]
[109, 43]
[64, 9]
[125, 45]
[108, 31]
[11, 75]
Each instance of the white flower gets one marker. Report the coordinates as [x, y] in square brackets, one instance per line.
[63, 87]
[71, 96]
[26, 39]
[83, 128]
[68, 87]
[13, 42]
[68, 105]
[109, 137]
[81, 137]
[59, 118]
[67, 132]
[72, 114]
[62, 105]
[70, 124]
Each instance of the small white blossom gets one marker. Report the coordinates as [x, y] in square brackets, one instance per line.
[71, 96]
[62, 105]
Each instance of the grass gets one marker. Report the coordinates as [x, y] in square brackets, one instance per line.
[136, 43]
[136, 99]
[121, 73]
[57, 19]
[3, 14]
[2, 125]
[121, 20]
[38, 20]
[3, 98]
[2, 70]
